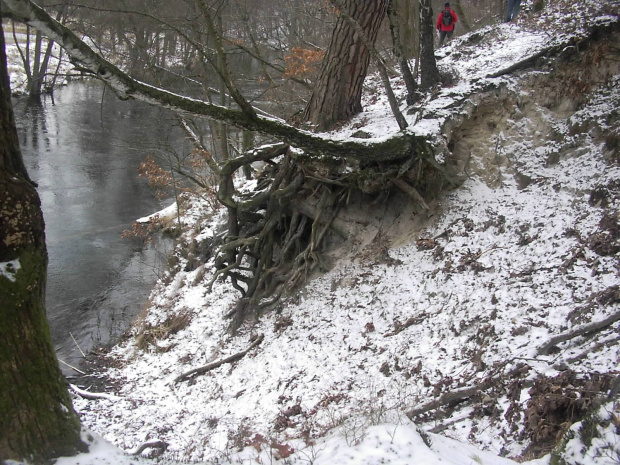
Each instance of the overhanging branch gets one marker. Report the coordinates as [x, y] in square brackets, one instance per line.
[401, 145]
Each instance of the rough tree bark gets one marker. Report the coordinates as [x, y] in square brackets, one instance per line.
[379, 62]
[37, 420]
[338, 90]
[429, 74]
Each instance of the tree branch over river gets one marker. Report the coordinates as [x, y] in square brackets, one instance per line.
[275, 234]
[399, 146]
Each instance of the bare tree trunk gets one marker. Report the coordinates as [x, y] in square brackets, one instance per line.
[247, 142]
[338, 91]
[37, 420]
[222, 64]
[223, 67]
[458, 7]
[39, 67]
[37, 72]
[399, 22]
[418, 36]
[428, 66]
[35, 80]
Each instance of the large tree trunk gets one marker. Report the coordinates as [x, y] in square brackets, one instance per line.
[429, 74]
[37, 420]
[338, 90]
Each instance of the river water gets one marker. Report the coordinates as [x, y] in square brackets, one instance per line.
[83, 147]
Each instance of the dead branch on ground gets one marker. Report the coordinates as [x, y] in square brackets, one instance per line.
[152, 444]
[92, 395]
[213, 365]
[579, 331]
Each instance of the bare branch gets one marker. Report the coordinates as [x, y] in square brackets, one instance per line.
[579, 331]
[212, 366]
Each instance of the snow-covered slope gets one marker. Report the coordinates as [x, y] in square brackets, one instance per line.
[457, 306]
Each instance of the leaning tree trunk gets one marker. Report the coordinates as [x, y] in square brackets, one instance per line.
[396, 147]
[458, 8]
[37, 420]
[429, 74]
[400, 13]
[338, 90]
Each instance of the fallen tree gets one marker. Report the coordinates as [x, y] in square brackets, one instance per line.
[275, 234]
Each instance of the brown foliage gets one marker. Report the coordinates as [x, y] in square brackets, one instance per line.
[556, 403]
[142, 231]
[157, 177]
[302, 63]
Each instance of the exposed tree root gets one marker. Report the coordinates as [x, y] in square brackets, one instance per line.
[276, 233]
[411, 191]
[160, 446]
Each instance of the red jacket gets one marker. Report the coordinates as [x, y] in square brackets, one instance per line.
[441, 26]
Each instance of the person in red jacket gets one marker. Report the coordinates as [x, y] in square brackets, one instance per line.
[445, 23]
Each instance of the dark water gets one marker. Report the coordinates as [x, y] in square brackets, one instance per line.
[83, 147]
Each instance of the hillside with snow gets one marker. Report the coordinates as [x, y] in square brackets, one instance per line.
[482, 327]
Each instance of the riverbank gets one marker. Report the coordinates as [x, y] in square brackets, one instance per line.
[468, 320]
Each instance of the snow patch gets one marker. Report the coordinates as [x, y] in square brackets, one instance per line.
[9, 270]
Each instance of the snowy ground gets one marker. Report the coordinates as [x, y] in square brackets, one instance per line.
[469, 299]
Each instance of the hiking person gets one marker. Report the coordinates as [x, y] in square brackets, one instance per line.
[445, 23]
[513, 10]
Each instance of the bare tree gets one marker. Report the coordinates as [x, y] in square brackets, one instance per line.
[402, 28]
[35, 54]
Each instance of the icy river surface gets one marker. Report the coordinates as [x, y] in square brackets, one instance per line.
[83, 147]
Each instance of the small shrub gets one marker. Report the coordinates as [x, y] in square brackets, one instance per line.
[148, 335]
